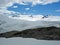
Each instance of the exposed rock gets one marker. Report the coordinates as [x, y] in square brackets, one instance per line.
[45, 33]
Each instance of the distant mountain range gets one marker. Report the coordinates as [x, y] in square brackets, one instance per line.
[44, 33]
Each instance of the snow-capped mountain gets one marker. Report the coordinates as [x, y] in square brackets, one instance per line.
[22, 22]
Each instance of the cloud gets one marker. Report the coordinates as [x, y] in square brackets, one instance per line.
[34, 2]
[44, 2]
[57, 10]
[36, 18]
[24, 23]
[3, 10]
[27, 8]
[4, 3]
[7, 3]
[15, 6]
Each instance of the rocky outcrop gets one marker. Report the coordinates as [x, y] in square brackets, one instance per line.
[45, 33]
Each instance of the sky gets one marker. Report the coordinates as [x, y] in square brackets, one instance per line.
[27, 7]
[31, 7]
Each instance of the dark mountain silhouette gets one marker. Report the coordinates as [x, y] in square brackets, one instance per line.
[45, 33]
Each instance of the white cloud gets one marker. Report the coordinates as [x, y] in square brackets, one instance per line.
[25, 22]
[15, 6]
[58, 10]
[44, 2]
[27, 8]
[6, 3]
[3, 10]
[34, 2]
[36, 18]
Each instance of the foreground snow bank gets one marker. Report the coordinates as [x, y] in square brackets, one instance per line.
[24, 41]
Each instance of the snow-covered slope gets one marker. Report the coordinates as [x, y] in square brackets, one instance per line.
[26, 41]
[25, 22]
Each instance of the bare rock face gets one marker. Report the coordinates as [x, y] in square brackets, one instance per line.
[45, 33]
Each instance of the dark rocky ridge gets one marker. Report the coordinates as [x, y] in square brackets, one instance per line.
[45, 33]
